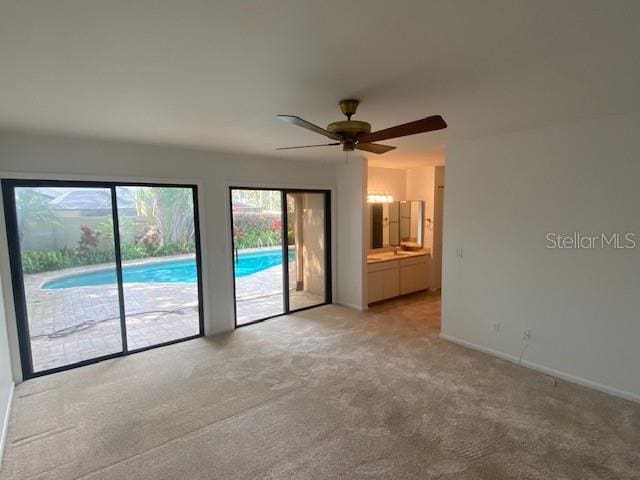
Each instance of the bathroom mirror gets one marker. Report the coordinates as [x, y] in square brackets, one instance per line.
[396, 223]
[411, 215]
[384, 224]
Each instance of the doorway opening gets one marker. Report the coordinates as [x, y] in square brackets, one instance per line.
[405, 224]
[281, 251]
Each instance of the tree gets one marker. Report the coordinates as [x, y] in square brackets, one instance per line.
[32, 207]
[171, 208]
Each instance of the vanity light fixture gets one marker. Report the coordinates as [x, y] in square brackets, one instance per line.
[379, 198]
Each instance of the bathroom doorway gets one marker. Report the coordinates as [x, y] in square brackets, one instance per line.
[405, 238]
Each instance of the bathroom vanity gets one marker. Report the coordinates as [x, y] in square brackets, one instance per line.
[397, 263]
[391, 274]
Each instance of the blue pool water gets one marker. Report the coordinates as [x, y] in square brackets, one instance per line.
[177, 271]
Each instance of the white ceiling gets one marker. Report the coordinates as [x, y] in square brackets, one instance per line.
[215, 73]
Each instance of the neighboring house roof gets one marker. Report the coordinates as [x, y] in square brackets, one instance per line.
[52, 192]
[91, 199]
[242, 207]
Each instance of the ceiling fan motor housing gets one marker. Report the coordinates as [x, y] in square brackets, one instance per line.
[349, 130]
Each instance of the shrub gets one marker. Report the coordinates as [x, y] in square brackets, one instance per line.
[257, 238]
[38, 261]
[246, 221]
[152, 238]
[173, 248]
[255, 230]
[89, 239]
[133, 252]
[44, 261]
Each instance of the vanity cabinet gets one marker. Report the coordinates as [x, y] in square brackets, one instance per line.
[414, 274]
[393, 278]
[383, 281]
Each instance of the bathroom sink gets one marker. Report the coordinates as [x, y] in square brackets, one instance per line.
[387, 256]
[384, 256]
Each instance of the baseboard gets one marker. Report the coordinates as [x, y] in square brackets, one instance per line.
[546, 370]
[352, 307]
[5, 422]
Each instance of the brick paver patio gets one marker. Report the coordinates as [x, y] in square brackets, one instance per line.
[259, 295]
[69, 325]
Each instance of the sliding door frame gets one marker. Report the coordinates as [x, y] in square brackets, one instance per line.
[17, 276]
[284, 227]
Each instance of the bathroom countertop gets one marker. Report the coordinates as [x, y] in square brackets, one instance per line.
[389, 256]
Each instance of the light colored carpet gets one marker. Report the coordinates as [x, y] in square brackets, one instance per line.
[325, 394]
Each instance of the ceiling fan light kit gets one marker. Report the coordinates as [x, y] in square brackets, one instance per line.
[356, 134]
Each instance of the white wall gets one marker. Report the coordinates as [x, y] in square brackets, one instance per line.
[6, 378]
[503, 195]
[437, 227]
[214, 171]
[352, 237]
[387, 181]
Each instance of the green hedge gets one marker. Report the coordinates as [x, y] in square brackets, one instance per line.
[257, 239]
[258, 229]
[38, 261]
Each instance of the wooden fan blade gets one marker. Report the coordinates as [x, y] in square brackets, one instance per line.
[292, 119]
[428, 124]
[307, 146]
[374, 147]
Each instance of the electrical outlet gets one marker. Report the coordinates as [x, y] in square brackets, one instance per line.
[495, 326]
[526, 334]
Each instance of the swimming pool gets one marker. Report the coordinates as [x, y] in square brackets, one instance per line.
[175, 271]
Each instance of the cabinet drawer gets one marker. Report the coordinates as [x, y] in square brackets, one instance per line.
[405, 262]
[389, 265]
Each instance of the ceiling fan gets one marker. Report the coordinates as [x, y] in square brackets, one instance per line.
[356, 134]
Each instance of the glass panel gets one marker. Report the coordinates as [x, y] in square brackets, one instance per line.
[306, 236]
[257, 240]
[160, 278]
[394, 222]
[69, 271]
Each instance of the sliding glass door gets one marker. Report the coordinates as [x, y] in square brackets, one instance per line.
[57, 245]
[160, 277]
[281, 257]
[257, 254]
[307, 242]
[101, 269]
